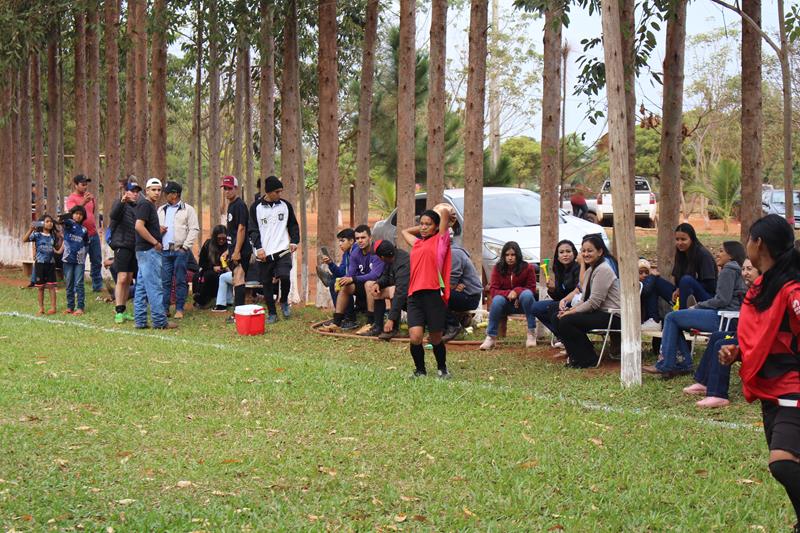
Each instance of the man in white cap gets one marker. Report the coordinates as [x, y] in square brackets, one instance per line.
[149, 288]
[239, 249]
[180, 230]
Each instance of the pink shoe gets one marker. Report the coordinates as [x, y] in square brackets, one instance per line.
[696, 388]
[713, 402]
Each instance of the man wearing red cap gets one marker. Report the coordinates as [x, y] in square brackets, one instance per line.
[239, 249]
[81, 196]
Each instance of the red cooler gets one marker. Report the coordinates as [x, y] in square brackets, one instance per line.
[249, 319]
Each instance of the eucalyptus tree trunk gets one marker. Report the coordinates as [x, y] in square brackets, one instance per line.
[266, 92]
[494, 96]
[93, 97]
[53, 200]
[112, 145]
[752, 118]
[79, 81]
[473, 136]
[139, 32]
[213, 114]
[248, 126]
[197, 135]
[406, 113]
[129, 163]
[628, 27]
[365, 112]
[669, 203]
[25, 172]
[6, 165]
[291, 149]
[437, 102]
[786, 79]
[158, 91]
[238, 110]
[38, 144]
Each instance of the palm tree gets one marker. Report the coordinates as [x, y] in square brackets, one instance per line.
[724, 192]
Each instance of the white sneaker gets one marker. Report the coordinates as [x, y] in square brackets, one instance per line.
[530, 341]
[651, 325]
[488, 343]
[558, 344]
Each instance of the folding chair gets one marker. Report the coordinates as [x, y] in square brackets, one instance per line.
[607, 331]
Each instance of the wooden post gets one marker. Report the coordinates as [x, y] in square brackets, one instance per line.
[631, 368]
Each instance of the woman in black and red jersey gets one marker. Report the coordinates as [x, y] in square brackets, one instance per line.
[768, 335]
[429, 285]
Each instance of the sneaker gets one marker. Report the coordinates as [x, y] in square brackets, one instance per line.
[530, 340]
[119, 318]
[388, 335]
[558, 344]
[271, 319]
[286, 311]
[347, 325]
[651, 369]
[219, 309]
[696, 388]
[168, 325]
[230, 320]
[444, 374]
[178, 315]
[418, 374]
[330, 328]
[451, 333]
[712, 402]
[128, 316]
[142, 327]
[364, 330]
[488, 343]
[78, 312]
[651, 325]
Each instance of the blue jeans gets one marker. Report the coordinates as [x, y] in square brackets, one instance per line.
[673, 341]
[225, 289]
[459, 303]
[544, 310]
[501, 308]
[715, 376]
[653, 288]
[149, 289]
[73, 276]
[689, 286]
[96, 258]
[173, 264]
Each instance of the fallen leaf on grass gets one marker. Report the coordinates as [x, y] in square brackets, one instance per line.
[29, 418]
[231, 461]
[701, 473]
[529, 464]
[409, 498]
[469, 513]
[600, 425]
[313, 517]
[126, 501]
[325, 470]
[376, 501]
[458, 478]
[557, 527]
[529, 439]
[748, 482]
[184, 484]
[62, 463]
[596, 442]
[418, 518]
[400, 518]
[41, 362]
[280, 370]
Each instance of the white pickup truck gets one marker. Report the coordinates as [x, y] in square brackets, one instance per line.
[645, 203]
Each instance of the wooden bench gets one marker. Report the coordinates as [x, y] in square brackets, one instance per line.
[27, 267]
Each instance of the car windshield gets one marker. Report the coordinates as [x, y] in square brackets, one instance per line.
[779, 197]
[507, 210]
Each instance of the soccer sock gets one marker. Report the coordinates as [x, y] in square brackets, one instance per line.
[440, 352]
[370, 317]
[788, 474]
[338, 318]
[285, 286]
[380, 309]
[120, 308]
[238, 295]
[418, 355]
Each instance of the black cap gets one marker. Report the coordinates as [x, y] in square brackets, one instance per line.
[80, 178]
[172, 186]
[385, 249]
[272, 184]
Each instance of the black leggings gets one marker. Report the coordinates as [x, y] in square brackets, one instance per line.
[270, 270]
[572, 332]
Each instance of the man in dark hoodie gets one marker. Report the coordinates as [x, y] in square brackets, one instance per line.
[123, 242]
[466, 290]
[392, 285]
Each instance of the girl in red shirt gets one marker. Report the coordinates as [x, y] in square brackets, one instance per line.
[429, 285]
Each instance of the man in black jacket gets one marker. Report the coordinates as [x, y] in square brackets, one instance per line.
[123, 242]
[393, 285]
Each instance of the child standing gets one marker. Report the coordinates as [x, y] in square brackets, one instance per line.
[76, 241]
[45, 238]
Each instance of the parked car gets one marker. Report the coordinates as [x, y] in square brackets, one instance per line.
[773, 201]
[509, 214]
[644, 200]
[594, 214]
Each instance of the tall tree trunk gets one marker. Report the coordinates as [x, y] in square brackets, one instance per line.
[248, 126]
[93, 96]
[266, 93]
[622, 175]
[38, 144]
[213, 114]
[80, 162]
[361, 207]
[671, 137]
[786, 80]
[291, 149]
[158, 92]
[437, 102]
[53, 201]
[494, 94]
[565, 50]
[25, 174]
[60, 113]
[473, 136]
[551, 118]
[130, 94]
[628, 27]
[6, 162]
[197, 138]
[16, 175]
[111, 183]
[238, 109]
[752, 119]
[140, 87]
[328, 127]
[406, 143]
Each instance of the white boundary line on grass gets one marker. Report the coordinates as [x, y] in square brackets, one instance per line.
[589, 405]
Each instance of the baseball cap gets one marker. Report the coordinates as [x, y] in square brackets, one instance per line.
[384, 249]
[132, 184]
[173, 186]
[229, 181]
[80, 178]
[153, 182]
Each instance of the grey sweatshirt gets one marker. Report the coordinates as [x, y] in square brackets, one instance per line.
[603, 288]
[463, 271]
[730, 289]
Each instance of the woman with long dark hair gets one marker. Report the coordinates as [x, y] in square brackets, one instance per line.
[206, 284]
[695, 270]
[769, 326]
[562, 281]
[600, 296]
[512, 290]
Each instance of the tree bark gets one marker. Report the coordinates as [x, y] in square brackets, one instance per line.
[140, 87]
[291, 149]
[361, 207]
[266, 93]
[671, 137]
[786, 80]
[53, 201]
[328, 127]
[494, 95]
[25, 173]
[38, 144]
[406, 118]
[238, 109]
[93, 97]
[197, 138]
[752, 119]
[551, 119]
[628, 26]
[473, 136]
[6, 159]
[437, 102]
[622, 177]
[113, 173]
[130, 163]
[213, 115]
[248, 126]
[158, 92]
[80, 162]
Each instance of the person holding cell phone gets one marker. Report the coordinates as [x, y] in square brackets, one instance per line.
[44, 235]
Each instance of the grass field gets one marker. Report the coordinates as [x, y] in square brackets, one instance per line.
[103, 427]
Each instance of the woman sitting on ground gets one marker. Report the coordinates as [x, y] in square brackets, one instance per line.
[211, 258]
[512, 290]
[561, 283]
[600, 296]
[711, 377]
[704, 316]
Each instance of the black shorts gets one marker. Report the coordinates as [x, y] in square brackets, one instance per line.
[426, 308]
[276, 269]
[45, 274]
[125, 260]
[781, 427]
[245, 259]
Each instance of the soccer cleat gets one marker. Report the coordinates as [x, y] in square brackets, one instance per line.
[219, 309]
[349, 324]
[271, 319]
[286, 311]
[388, 335]
[444, 374]
[119, 318]
[418, 374]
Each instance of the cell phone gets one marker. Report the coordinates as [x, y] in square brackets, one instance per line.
[325, 251]
[39, 224]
